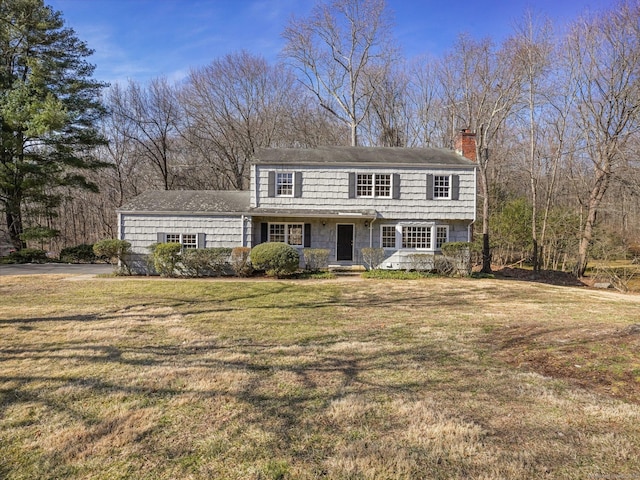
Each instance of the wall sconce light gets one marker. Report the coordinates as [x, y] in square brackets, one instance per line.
[366, 224]
[324, 223]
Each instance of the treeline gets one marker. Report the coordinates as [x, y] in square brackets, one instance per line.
[555, 109]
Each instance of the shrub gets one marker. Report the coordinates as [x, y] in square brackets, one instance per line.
[28, 255]
[443, 265]
[166, 257]
[459, 254]
[421, 262]
[275, 258]
[372, 257]
[79, 254]
[240, 261]
[315, 258]
[205, 261]
[116, 251]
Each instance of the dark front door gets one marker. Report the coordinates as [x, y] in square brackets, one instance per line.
[344, 243]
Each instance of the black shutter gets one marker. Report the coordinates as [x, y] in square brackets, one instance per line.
[297, 184]
[264, 232]
[272, 184]
[201, 243]
[160, 237]
[395, 180]
[307, 235]
[429, 186]
[455, 187]
[352, 185]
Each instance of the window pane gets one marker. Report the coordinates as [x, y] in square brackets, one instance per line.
[388, 236]
[441, 186]
[416, 237]
[383, 185]
[276, 232]
[295, 234]
[284, 184]
[364, 185]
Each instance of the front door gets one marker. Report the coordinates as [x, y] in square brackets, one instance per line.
[344, 243]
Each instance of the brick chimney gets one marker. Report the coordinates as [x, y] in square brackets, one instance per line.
[465, 144]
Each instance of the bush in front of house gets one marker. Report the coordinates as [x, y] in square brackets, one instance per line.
[277, 259]
[166, 258]
[82, 253]
[200, 262]
[372, 257]
[459, 254]
[241, 262]
[315, 259]
[421, 262]
[28, 255]
[116, 251]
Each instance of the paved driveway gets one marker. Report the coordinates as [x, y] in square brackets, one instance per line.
[55, 269]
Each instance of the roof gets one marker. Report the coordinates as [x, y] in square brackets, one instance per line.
[391, 156]
[192, 201]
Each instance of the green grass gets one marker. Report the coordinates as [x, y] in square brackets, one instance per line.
[303, 379]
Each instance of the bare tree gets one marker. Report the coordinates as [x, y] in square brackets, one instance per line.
[149, 117]
[603, 53]
[342, 50]
[482, 86]
[532, 48]
[233, 106]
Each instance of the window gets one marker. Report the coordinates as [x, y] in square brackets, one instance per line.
[416, 237]
[284, 184]
[187, 240]
[291, 233]
[373, 185]
[364, 187]
[442, 236]
[388, 236]
[441, 186]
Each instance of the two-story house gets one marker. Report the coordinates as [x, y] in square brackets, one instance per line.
[403, 200]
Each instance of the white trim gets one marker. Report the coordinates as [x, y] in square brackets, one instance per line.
[287, 225]
[449, 187]
[374, 176]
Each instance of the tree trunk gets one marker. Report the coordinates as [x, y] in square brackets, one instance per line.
[595, 198]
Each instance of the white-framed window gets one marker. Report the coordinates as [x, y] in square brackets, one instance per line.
[388, 239]
[441, 186]
[417, 237]
[373, 185]
[442, 236]
[187, 240]
[291, 233]
[284, 184]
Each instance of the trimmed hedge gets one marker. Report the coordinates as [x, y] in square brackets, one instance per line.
[116, 251]
[200, 262]
[28, 255]
[277, 259]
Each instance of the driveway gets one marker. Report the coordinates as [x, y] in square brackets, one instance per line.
[55, 269]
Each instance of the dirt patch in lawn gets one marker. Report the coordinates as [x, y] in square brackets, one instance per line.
[599, 358]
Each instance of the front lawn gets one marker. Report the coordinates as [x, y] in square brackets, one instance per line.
[340, 379]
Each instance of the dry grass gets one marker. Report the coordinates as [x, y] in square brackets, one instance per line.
[437, 379]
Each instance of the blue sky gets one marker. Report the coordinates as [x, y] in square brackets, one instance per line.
[143, 39]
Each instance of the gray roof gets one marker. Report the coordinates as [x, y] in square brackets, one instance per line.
[391, 156]
[193, 201]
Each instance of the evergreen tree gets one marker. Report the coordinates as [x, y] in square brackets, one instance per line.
[49, 109]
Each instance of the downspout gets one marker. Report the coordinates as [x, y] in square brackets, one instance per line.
[243, 230]
[371, 231]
